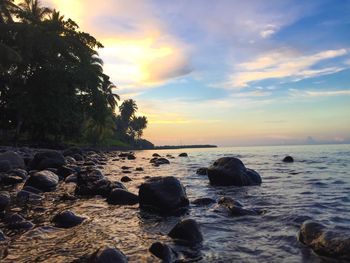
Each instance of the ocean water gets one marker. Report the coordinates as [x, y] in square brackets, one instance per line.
[316, 186]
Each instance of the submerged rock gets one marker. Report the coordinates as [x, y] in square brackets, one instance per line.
[108, 255]
[159, 161]
[231, 171]
[188, 231]
[47, 159]
[288, 159]
[234, 208]
[5, 200]
[122, 197]
[67, 219]
[45, 181]
[163, 194]
[203, 201]
[163, 251]
[325, 242]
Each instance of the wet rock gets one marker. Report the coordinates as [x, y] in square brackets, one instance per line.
[155, 155]
[122, 197]
[129, 156]
[10, 179]
[78, 157]
[183, 155]
[47, 159]
[188, 231]
[67, 219]
[45, 181]
[70, 160]
[5, 166]
[234, 208]
[32, 189]
[5, 200]
[19, 172]
[72, 151]
[16, 221]
[163, 251]
[3, 237]
[90, 183]
[125, 167]
[231, 171]
[163, 194]
[202, 171]
[26, 196]
[288, 159]
[159, 161]
[325, 242]
[203, 201]
[108, 255]
[125, 179]
[73, 178]
[139, 169]
[65, 171]
[13, 158]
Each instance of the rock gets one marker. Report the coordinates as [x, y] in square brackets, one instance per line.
[72, 151]
[129, 156]
[3, 237]
[10, 179]
[19, 172]
[325, 242]
[122, 197]
[163, 251]
[70, 160]
[234, 208]
[67, 219]
[288, 159]
[188, 231]
[231, 171]
[125, 179]
[139, 169]
[13, 158]
[65, 171]
[16, 221]
[108, 255]
[202, 171]
[183, 155]
[91, 183]
[159, 161]
[26, 196]
[125, 167]
[45, 181]
[73, 178]
[5, 200]
[78, 157]
[5, 166]
[47, 159]
[163, 194]
[32, 189]
[203, 201]
[155, 155]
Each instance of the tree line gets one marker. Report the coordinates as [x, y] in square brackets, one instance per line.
[52, 84]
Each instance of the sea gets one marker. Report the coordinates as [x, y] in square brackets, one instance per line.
[316, 186]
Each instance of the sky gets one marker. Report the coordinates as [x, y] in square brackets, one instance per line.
[227, 72]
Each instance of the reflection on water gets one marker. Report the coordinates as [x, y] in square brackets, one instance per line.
[315, 186]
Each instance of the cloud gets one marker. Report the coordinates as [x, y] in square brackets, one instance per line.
[139, 52]
[323, 93]
[283, 63]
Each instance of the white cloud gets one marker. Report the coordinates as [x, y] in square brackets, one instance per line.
[283, 63]
[321, 93]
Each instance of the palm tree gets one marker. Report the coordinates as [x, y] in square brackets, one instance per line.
[107, 89]
[32, 12]
[128, 110]
[7, 8]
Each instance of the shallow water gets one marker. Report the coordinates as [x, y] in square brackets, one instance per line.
[316, 186]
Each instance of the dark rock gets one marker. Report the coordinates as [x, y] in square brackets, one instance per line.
[45, 181]
[131, 157]
[163, 194]
[155, 155]
[202, 171]
[78, 157]
[16, 221]
[288, 159]
[108, 255]
[13, 158]
[159, 161]
[67, 219]
[203, 201]
[122, 197]
[72, 151]
[183, 155]
[32, 189]
[163, 251]
[231, 171]
[325, 242]
[19, 172]
[26, 196]
[10, 179]
[234, 208]
[92, 183]
[4, 200]
[125, 167]
[139, 169]
[188, 231]
[5, 166]
[65, 171]
[73, 178]
[3, 237]
[70, 160]
[47, 159]
[126, 179]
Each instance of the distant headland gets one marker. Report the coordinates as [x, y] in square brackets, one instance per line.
[184, 146]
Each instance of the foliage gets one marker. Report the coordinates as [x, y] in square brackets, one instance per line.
[52, 84]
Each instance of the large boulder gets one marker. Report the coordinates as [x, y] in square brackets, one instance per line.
[5, 166]
[45, 181]
[163, 194]
[231, 171]
[122, 197]
[187, 231]
[47, 159]
[108, 255]
[325, 242]
[13, 158]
